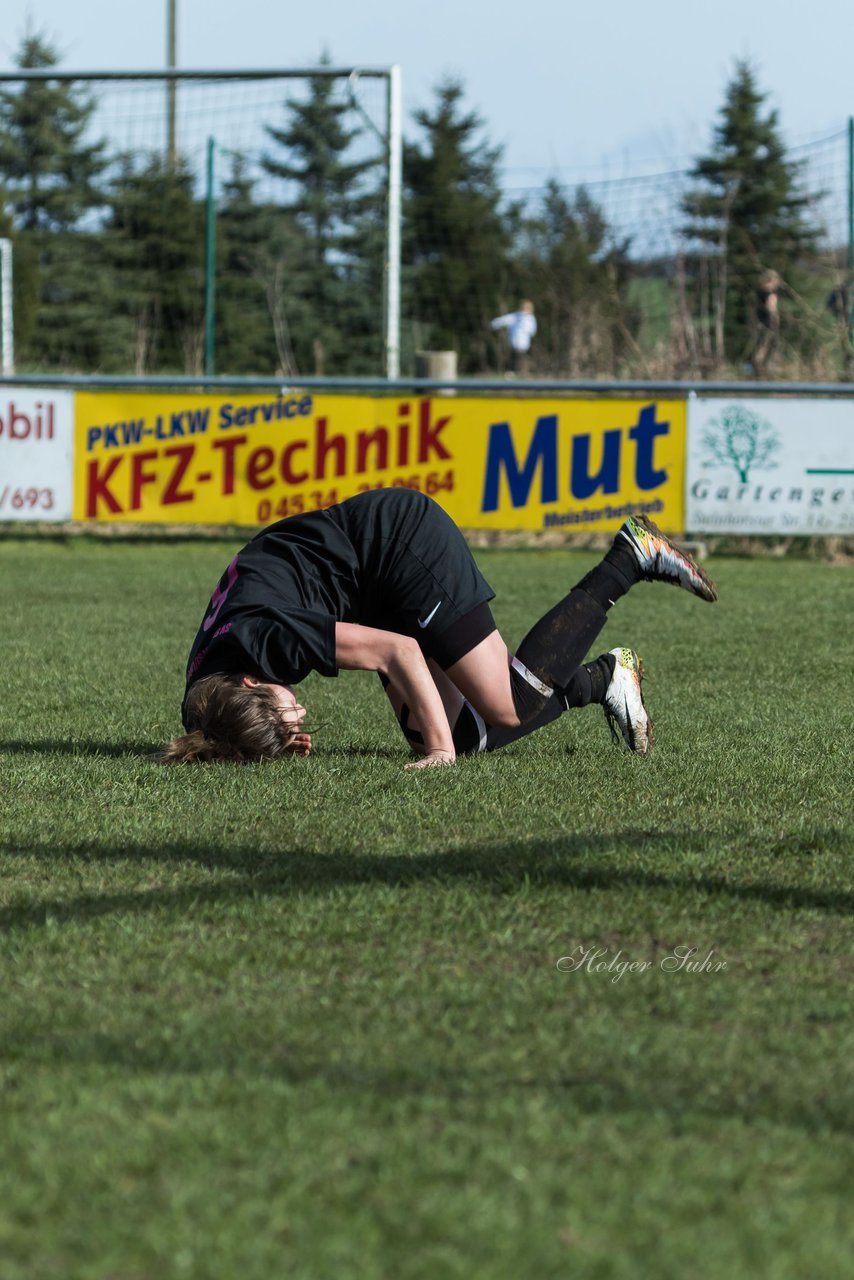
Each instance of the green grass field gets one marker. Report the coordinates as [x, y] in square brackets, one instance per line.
[306, 1019]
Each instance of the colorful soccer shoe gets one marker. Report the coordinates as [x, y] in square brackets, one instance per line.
[624, 704]
[661, 560]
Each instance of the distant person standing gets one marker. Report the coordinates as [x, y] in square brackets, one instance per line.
[767, 322]
[521, 327]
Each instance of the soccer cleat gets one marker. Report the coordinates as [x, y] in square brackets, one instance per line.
[661, 560]
[624, 704]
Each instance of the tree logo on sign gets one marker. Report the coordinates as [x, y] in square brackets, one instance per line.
[739, 438]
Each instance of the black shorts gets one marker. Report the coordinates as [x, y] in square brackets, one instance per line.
[419, 576]
[460, 637]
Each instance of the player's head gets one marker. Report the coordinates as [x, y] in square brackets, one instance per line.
[527, 306]
[237, 718]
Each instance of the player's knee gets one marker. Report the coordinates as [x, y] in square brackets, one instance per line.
[505, 718]
[530, 696]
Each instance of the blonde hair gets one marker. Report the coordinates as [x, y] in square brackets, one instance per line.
[230, 721]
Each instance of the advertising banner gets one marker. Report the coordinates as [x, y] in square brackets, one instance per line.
[770, 466]
[492, 463]
[36, 431]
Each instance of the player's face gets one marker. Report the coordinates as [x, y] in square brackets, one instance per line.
[292, 711]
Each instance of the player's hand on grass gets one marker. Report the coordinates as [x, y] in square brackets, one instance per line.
[301, 745]
[432, 760]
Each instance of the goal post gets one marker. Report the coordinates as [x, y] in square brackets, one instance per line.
[7, 327]
[395, 221]
[235, 108]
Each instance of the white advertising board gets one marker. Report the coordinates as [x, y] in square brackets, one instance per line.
[36, 432]
[770, 466]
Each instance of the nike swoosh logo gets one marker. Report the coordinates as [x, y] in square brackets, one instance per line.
[430, 616]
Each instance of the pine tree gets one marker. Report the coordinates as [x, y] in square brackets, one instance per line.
[260, 291]
[244, 333]
[362, 314]
[456, 241]
[329, 202]
[156, 234]
[749, 211]
[48, 169]
[50, 175]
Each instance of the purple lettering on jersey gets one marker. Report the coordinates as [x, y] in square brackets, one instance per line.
[203, 653]
[219, 596]
[197, 662]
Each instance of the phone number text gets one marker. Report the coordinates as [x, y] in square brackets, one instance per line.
[26, 499]
[294, 504]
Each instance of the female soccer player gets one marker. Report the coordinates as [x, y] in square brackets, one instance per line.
[385, 582]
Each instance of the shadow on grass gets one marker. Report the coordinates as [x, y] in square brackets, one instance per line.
[572, 862]
[674, 1098]
[146, 750]
[564, 861]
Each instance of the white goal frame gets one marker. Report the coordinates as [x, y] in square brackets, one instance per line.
[392, 139]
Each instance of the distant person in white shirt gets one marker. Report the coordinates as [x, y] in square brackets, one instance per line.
[521, 326]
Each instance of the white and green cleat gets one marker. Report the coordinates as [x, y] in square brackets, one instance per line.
[661, 560]
[624, 705]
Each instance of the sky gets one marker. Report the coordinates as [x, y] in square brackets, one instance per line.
[576, 91]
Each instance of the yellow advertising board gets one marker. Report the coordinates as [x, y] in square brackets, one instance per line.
[492, 463]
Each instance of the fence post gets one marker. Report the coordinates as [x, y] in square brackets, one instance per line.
[210, 264]
[851, 227]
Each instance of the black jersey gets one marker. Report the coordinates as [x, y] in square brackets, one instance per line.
[390, 558]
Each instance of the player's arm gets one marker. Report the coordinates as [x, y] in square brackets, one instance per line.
[401, 661]
[452, 700]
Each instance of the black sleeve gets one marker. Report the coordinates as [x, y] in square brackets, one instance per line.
[286, 646]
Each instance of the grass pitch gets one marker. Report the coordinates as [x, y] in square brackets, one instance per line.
[307, 1019]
